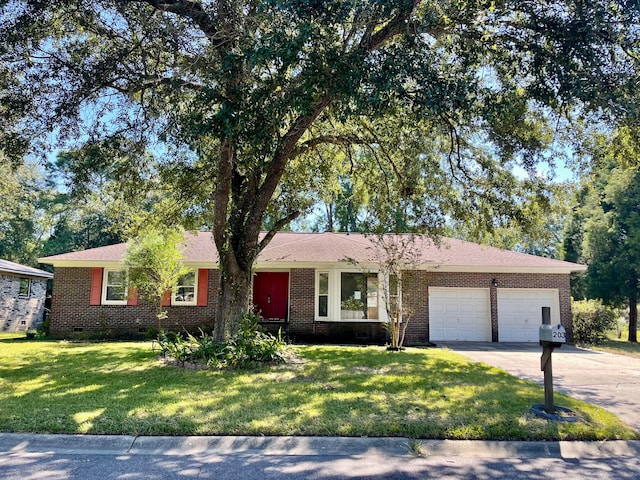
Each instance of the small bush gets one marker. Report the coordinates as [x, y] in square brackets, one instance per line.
[591, 321]
[250, 347]
[151, 334]
[43, 330]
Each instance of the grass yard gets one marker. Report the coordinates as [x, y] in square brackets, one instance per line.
[621, 347]
[11, 335]
[122, 388]
[618, 343]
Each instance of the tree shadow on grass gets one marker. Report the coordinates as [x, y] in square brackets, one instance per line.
[123, 389]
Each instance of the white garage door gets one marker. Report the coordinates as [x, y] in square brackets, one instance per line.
[459, 314]
[520, 313]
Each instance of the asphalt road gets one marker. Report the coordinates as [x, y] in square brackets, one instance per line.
[65, 457]
[243, 467]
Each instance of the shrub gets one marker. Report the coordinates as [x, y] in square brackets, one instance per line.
[43, 330]
[250, 347]
[591, 321]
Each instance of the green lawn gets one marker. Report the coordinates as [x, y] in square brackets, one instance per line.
[16, 335]
[621, 347]
[618, 343]
[122, 388]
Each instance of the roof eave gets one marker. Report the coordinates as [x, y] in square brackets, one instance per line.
[560, 269]
[503, 269]
[24, 273]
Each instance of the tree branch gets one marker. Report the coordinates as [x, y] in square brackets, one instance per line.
[373, 40]
[155, 81]
[276, 228]
[283, 153]
[324, 139]
[193, 11]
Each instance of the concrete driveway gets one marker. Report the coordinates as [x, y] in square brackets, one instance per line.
[604, 379]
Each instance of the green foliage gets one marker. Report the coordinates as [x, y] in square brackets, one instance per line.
[43, 330]
[23, 192]
[352, 304]
[537, 229]
[252, 346]
[248, 348]
[591, 321]
[415, 447]
[155, 261]
[430, 104]
[610, 222]
[155, 264]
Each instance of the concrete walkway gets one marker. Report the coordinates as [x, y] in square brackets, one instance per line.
[17, 443]
[604, 379]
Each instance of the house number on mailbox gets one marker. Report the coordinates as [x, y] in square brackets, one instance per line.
[559, 335]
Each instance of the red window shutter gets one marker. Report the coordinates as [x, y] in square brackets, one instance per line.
[133, 297]
[203, 287]
[166, 299]
[95, 295]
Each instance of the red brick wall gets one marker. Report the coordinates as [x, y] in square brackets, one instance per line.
[302, 302]
[70, 310]
[415, 294]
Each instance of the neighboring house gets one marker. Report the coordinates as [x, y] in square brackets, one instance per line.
[22, 296]
[459, 291]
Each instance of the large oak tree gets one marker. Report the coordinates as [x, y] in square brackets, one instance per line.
[247, 101]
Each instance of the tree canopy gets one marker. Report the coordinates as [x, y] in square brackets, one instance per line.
[246, 102]
[23, 191]
[155, 264]
[604, 229]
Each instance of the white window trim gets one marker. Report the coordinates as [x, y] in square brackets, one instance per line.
[104, 300]
[317, 295]
[28, 294]
[187, 303]
[333, 307]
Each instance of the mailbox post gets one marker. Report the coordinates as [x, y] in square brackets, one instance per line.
[551, 337]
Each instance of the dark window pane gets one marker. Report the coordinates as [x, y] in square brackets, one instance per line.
[25, 289]
[323, 306]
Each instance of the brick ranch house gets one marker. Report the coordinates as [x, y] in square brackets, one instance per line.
[22, 296]
[459, 291]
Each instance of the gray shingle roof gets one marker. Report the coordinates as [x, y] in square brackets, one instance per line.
[16, 269]
[287, 249]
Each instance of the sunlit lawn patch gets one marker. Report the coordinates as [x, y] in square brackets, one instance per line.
[122, 388]
[620, 347]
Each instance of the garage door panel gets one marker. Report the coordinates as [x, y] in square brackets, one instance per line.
[520, 313]
[467, 308]
[459, 314]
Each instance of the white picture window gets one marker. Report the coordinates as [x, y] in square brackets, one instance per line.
[114, 287]
[358, 296]
[348, 296]
[185, 292]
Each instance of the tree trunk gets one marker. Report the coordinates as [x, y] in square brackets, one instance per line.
[161, 315]
[633, 319]
[234, 299]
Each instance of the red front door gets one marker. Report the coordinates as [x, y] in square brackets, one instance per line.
[271, 294]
